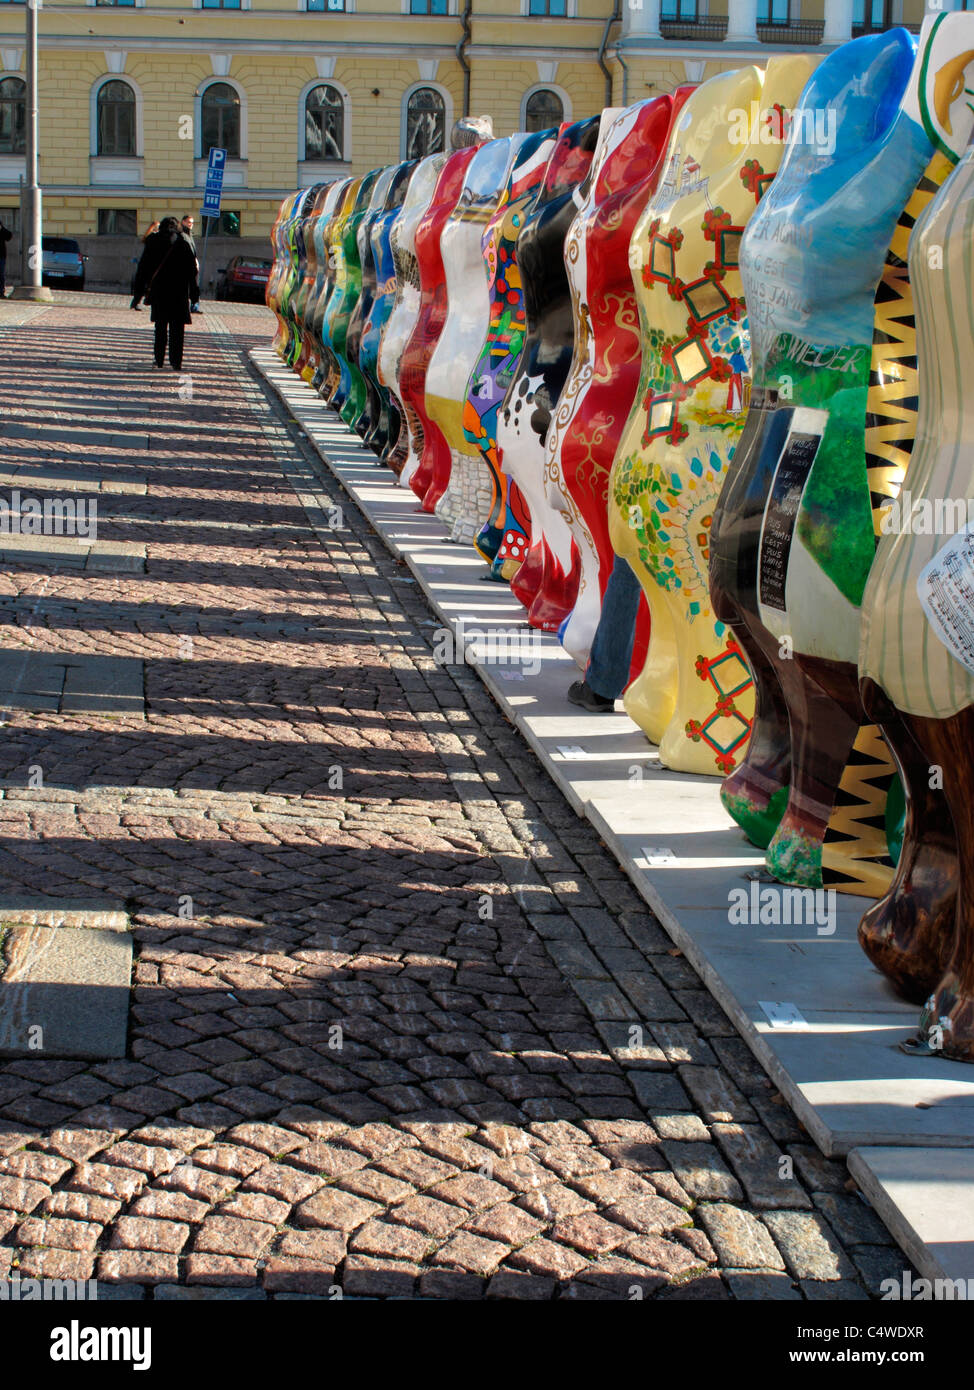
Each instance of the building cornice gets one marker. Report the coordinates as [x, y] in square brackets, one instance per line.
[522, 51]
[631, 47]
[105, 192]
[360, 48]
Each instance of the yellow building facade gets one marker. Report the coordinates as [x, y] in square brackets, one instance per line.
[132, 95]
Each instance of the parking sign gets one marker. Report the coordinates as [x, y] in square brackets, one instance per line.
[213, 190]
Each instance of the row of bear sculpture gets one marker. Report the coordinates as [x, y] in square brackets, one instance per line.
[721, 335]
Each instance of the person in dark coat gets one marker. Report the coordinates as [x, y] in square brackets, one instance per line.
[167, 280]
[5, 236]
[186, 227]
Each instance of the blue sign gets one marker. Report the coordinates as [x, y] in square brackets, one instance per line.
[213, 190]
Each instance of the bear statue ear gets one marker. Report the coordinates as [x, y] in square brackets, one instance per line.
[864, 82]
[471, 130]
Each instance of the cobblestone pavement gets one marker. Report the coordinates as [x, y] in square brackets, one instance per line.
[400, 1026]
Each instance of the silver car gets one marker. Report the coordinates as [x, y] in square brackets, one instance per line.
[62, 262]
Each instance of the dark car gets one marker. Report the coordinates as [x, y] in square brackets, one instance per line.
[62, 263]
[244, 278]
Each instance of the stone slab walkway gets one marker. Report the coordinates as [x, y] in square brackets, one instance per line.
[361, 1056]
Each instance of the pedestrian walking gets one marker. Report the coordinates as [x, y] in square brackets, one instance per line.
[167, 280]
[186, 227]
[607, 672]
[5, 235]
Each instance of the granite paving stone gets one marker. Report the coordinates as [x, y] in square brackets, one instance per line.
[810, 1248]
[738, 1237]
[760, 1166]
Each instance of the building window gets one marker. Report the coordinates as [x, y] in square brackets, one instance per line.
[13, 114]
[324, 4]
[116, 119]
[220, 4]
[548, 7]
[324, 123]
[871, 16]
[682, 11]
[117, 222]
[543, 110]
[425, 123]
[10, 218]
[227, 224]
[428, 7]
[220, 120]
[115, 2]
[774, 12]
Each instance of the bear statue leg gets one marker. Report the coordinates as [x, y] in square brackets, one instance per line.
[908, 933]
[756, 792]
[947, 1023]
[825, 715]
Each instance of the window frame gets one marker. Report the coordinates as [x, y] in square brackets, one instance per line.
[342, 90]
[409, 93]
[201, 92]
[215, 231]
[866, 26]
[15, 153]
[132, 212]
[96, 101]
[303, 154]
[791, 14]
[560, 93]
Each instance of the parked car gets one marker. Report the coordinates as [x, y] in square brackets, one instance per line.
[244, 278]
[62, 263]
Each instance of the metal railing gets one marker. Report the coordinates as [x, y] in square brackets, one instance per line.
[808, 31]
[713, 28]
[707, 27]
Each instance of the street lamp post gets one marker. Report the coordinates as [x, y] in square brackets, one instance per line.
[31, 255]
